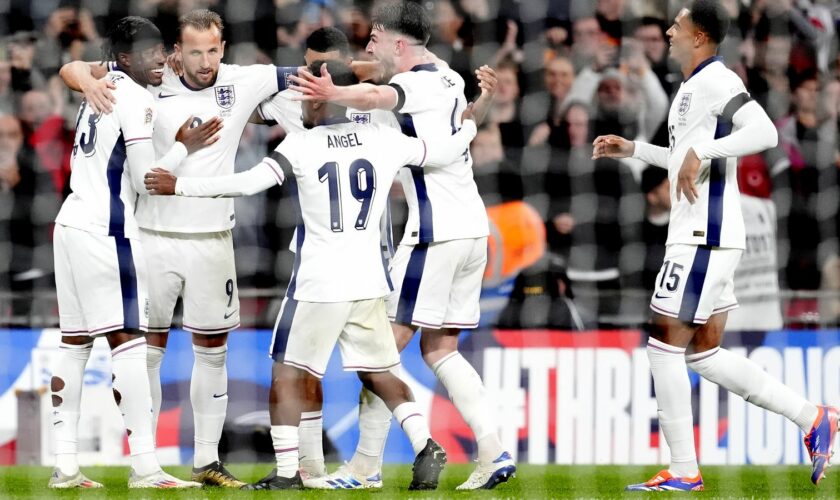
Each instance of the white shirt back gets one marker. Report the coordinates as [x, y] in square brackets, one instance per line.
[103, 197]
[443, 203]
[702, 110]
[340, 175]
[234, 96]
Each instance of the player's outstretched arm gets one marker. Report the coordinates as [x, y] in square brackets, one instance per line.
[612, 146]
[85, 77]
[362, 96]
[258, 178]
[448, 150]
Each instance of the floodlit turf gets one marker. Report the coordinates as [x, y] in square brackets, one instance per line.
[531, 482]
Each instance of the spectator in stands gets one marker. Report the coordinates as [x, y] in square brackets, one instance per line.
[586, 43]
[809, 139]
[69, 34]
[542, 298]
[17, 238]
[650, 33]
[46, 134]
[656, 188]
[559, 76]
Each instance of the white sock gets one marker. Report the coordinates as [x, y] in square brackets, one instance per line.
[286, 441]
[131, 392]
[312, 443]
[374, 424]
[467, 392]
[66, 385]
[154, 358]
[414, 424]
[208, 394]
[673, 397]
[747, 379]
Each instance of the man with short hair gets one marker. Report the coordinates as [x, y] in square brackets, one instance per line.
[340, 173]
[189, 240]
[100, 270]
[712, 121]
[439, 264]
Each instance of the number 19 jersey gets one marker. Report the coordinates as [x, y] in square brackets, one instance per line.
[340, 175]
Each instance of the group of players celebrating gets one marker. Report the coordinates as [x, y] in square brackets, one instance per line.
[122, 260]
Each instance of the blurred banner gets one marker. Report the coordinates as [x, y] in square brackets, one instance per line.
[563, 397]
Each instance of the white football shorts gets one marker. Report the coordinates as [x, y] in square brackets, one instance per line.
[696, 282]
[305, 335]
[200, 268]
[438, 285]
[100, 282]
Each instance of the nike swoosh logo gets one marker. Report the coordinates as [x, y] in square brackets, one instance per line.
[59, 422]
[660, 296]
[161, 95]
[231, 314]
[219, 395]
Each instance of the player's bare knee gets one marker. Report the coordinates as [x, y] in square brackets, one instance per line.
[56, 385]
[216, 340]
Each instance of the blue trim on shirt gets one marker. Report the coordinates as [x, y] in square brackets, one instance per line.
[424, 205]
[196, 89]
[425, 67]
[703, 65]
[114, 172]
[301, 234]
[411, 284]
[332, 120]
[128, 283]
[282, 329]
[694, 284]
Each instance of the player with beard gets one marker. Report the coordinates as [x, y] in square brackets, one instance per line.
[100, 270]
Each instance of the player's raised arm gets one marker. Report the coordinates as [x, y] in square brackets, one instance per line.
[487, 83]
[362, 96]
[85, 77]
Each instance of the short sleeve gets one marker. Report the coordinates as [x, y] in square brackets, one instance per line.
[727, 95]
[266, 79]
[414, 94]
[137, 116]
[281, 110]
[410, 150]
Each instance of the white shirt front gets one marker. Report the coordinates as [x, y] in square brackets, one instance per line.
[342, 174]
[103, 195]
[702, 111]
[238, 90]
[443, 203]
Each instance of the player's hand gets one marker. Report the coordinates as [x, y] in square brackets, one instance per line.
[98, 95]
[173, 60]
[686, 177]
[160, 182]
[311, 87]
[201, 136]
[486, 80]
[612, 146]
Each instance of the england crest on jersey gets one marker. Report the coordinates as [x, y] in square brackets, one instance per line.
[225, 97]
[685, 102]
[360, 117]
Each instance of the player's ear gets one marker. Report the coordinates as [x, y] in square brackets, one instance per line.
[124, 60]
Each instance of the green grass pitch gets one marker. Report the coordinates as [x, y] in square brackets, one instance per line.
[532, 481]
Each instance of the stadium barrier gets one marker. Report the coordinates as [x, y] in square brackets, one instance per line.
[562, 397]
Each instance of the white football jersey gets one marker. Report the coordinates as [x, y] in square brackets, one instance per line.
[238, 90]
[701, 111]
[443, 203]
[103, 197]
[281, 109]
[341, 175]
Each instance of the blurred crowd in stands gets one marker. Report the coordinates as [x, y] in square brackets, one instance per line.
[568, 70]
